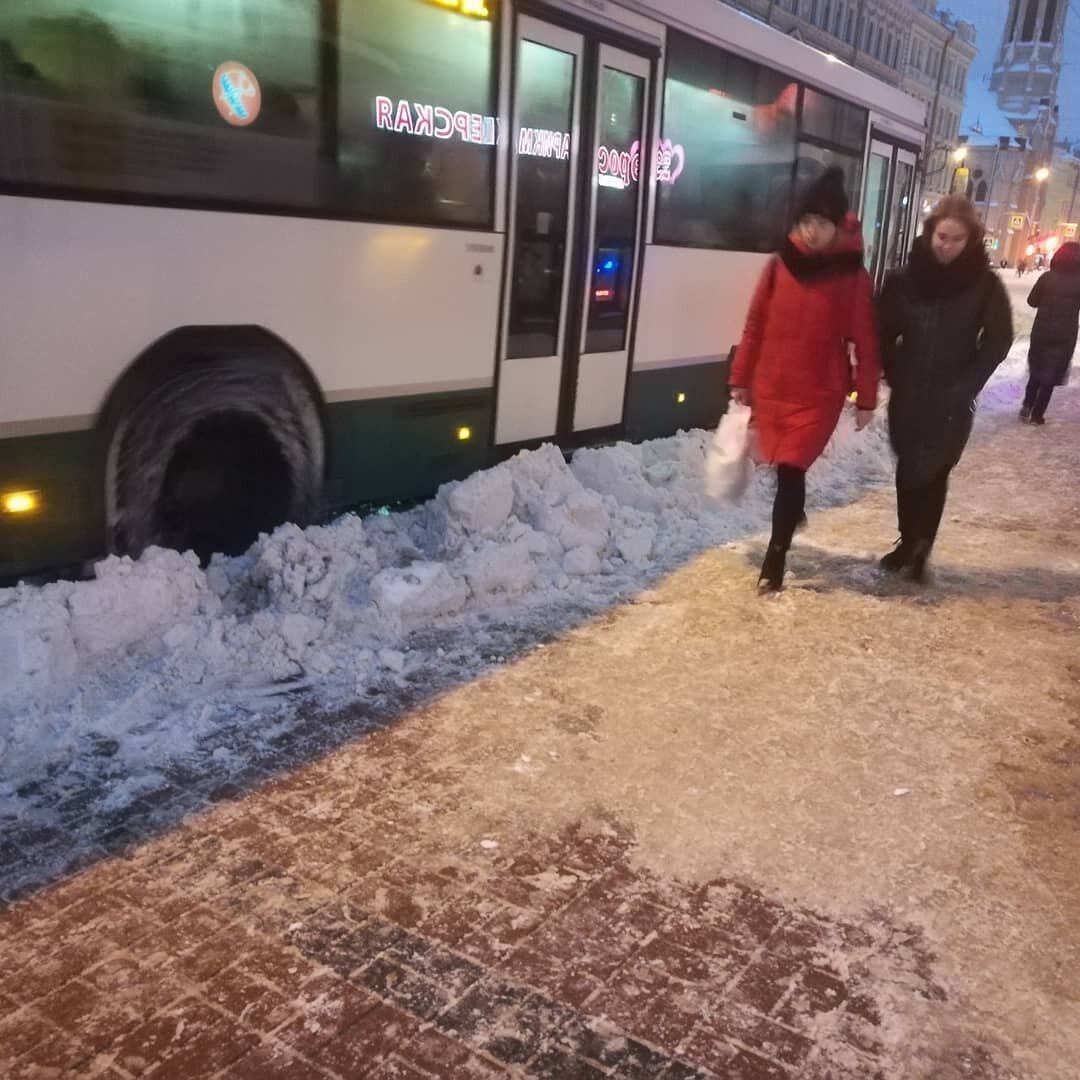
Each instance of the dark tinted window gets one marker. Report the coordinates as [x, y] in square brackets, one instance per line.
[728, 150]
[833, 121]
[389, 113]
[417, 108]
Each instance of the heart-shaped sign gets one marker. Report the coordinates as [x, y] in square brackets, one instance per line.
[670, 161]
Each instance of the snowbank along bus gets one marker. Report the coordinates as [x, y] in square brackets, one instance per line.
[265, 260]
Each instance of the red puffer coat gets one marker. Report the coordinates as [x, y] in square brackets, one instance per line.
[793, 356]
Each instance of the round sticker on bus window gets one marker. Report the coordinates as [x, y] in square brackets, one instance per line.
[236, 93]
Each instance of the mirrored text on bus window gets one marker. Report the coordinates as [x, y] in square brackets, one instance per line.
[735, 122]
[365, 108]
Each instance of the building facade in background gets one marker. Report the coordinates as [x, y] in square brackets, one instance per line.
[1022, 180]
[906, 43]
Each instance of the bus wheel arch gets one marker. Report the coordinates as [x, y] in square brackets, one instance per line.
[239, 392]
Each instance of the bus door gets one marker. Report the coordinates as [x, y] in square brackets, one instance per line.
[888, 206]
[580, 164]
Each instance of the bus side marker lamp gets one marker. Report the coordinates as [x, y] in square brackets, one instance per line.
[20, 502]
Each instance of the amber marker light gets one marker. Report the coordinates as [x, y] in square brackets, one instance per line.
[21, 502]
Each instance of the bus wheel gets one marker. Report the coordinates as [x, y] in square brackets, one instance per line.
[208, 452]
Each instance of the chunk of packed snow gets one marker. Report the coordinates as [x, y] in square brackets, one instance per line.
[422, 591]
[483, 502]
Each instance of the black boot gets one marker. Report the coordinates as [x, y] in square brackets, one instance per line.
[898, 558]
[772, 569]
[920, 556]
[1025, 414]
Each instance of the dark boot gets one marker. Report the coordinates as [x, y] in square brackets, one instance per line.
[1043, 394]
[920, 556]
[898, 558]
[1025, 414]
[772, 569]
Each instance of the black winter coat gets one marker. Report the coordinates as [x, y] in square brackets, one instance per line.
[1053, 337]
[944, 329]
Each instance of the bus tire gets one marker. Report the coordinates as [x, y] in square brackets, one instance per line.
[213, 435]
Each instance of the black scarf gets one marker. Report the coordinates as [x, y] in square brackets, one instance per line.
[814, 266]
[937, 281]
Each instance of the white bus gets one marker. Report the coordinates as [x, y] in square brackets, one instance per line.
[267, 260]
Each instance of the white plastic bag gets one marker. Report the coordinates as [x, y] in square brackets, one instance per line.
[727, 462]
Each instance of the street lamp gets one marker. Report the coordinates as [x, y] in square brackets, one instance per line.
[1042, 174]
[960, 155]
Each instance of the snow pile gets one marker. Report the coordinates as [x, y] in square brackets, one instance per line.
[47, 636]
[154, 652]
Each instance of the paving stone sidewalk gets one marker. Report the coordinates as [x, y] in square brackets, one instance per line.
[302, 931]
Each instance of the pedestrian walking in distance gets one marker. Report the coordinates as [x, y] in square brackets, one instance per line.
[946, 324]
[792, 366]
[1053, 337]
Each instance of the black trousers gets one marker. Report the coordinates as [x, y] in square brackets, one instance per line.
[1037, 397]
[920, 508]
[789, 505]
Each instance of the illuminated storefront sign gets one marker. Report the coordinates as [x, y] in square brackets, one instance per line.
[434, 121]
[615, 168]
[237, 94]
[539, 142]
[619, 165]
[670, 161]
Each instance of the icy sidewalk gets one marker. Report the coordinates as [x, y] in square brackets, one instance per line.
[826, 836]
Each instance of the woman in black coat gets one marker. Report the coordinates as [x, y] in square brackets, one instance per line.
[946, 324]
[1053, 337]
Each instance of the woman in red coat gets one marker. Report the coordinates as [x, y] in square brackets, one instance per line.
[793, 367]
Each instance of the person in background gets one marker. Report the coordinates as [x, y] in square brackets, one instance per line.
[1053, 337]
[946, 324]
[792, 366]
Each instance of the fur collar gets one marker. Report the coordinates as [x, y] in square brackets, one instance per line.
[844, 257]
[933, 281]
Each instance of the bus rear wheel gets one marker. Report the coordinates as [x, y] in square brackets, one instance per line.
[207, 448]
[226, 482]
